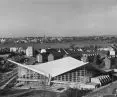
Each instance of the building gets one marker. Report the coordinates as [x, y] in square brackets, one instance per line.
[50, 57]
[39, 58]
[107, 62]
[21, 50]
[29, 51]
[13, 49]
[62, 71]
[84, 58]
[109, 49]
[3, 40]
[112, 52]
[102, 79]
[43, 51]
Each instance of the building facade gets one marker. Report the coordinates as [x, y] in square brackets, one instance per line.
[29, 51]
[65, 71]
[31, 79]
[79, 75]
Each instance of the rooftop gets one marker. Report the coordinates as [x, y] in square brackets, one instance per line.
[55, 67]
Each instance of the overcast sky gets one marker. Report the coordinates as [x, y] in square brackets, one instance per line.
[57, 17]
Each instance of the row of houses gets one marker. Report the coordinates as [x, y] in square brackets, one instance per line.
[50, 54]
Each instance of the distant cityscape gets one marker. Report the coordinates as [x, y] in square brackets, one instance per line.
[48, 39]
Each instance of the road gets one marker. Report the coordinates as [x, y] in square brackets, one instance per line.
[3, 86]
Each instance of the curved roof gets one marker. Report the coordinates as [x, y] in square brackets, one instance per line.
[57, 67]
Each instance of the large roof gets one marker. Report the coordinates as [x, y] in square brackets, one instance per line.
[30, 68]
[57, 67]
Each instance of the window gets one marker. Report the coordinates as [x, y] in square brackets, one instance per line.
[59, 78]
[62, 77]
[66, 77]
[23, 76]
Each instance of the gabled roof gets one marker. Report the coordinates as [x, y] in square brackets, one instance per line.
[56, 67]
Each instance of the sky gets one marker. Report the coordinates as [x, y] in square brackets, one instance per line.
[57, 17]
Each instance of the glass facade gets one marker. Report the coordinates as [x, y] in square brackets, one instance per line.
[78, 75]
[31, 78]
